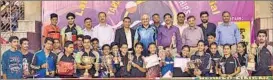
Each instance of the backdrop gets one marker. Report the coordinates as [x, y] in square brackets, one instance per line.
[242, 12]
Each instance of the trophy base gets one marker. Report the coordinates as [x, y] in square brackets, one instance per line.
[112, 74]
[86, 75]
[96, 74]
[121, 64]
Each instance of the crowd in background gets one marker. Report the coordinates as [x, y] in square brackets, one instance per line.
[150, 50]
[11, 12]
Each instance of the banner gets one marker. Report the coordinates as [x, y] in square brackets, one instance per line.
[116, 10]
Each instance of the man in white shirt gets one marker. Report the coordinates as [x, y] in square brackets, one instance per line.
[88, 30]
[181, 22]
[103, 31]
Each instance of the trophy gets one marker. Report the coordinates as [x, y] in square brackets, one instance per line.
[162, 55]
[191, 64]
[251, 62]
[173, 41]
[97, 67]
[198, 62]
[47, 71]
[215, 61]
[97, 64]
[116, 55]
[254, 49]
[107, 61]
[25, 66]
[222, 64]
[120, 63]
[87, 60]
[211, 69]
[130, 56]
[160, 48]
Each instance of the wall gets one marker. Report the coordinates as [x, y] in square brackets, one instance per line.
[33, 10]
[263, 9]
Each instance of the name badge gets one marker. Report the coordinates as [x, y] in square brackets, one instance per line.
[231, 62]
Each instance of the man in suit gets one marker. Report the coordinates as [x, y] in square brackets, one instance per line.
[125, 34]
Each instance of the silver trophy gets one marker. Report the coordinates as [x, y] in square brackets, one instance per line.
[191, 64]
[215, 60]
[130, 56]
[120, 63]
[194, 64]
[116, 55]
[97, 64]
[222, 64]
[87, 60]
[198, 62]
[25, 67]
[107, 62]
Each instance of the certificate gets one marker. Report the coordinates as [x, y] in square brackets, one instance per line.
[152, 61]
[181, 62]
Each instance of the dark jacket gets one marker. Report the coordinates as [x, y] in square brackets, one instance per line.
[120, 36]
[211, 28]
[263, 60]
[205, 62]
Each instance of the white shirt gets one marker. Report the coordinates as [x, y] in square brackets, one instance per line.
[88, 32]
[105, 34]
[129, 38]
[181, 28]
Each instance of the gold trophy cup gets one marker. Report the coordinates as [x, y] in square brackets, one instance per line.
[87, 60]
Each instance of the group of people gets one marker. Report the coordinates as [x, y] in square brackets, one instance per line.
[150, 50]
[11, 12]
